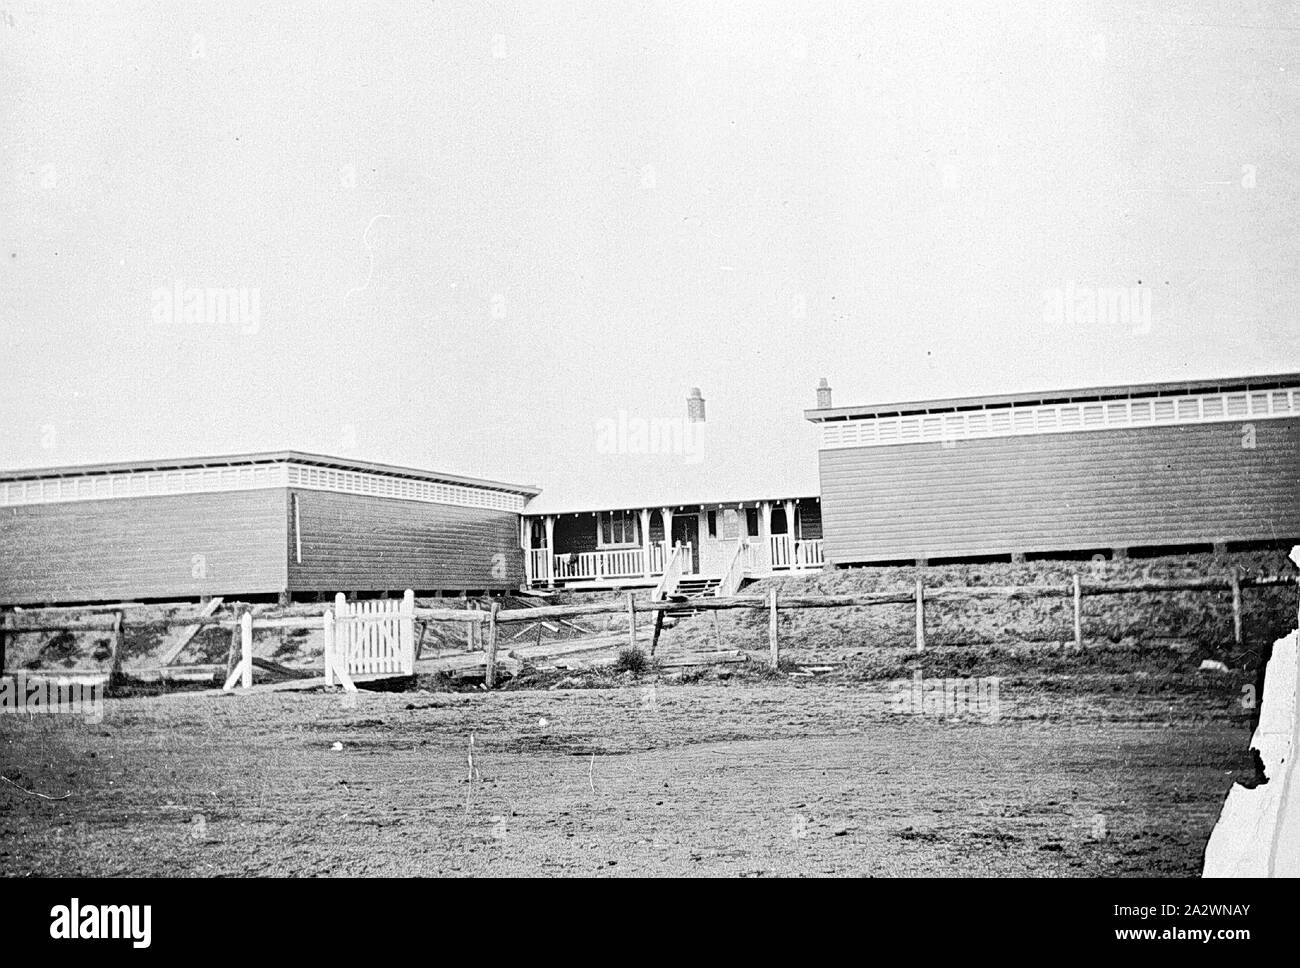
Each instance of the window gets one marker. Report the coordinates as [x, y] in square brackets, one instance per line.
[619, 528]
[751, 521]
[730, 524]
[713, 524]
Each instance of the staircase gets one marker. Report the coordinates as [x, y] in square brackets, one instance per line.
[689, 588]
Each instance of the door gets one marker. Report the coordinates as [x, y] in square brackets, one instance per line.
[720, 532]
[686, 529]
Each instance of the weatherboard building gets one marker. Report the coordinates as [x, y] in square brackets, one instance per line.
[1136, 469]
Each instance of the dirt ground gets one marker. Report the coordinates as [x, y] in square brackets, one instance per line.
[1097, 774]
[1113, 761]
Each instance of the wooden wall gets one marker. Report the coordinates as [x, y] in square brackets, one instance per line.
[357, 542]
[173, 546]
[1063, 492]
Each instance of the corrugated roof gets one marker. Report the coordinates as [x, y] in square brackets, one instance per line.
[269, 457]
[1177, 388]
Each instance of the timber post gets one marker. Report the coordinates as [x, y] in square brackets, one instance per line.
[773, 640]
[920, 614]
[490, 675]
[1236, 607]
[1078, 614]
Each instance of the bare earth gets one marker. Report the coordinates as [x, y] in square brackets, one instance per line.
[1078, 775]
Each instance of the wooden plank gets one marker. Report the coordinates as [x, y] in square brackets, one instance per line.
[246, 648]
[703, 658]
[406, 633]
[1267, 581]
[187, 632]
[114, 607]
[962, 593]
[1236, 607]
[490, 679]
[119, 646]
[186, 673]
[1078, 614]
[1163, 585]
[286, 623]
[920, 614]
[659, 627]
[534, 593]
[280, 670]
[419, 642]
[561, 611]
[774, 659]
[330, 649]
[535, 654]
[235, 675]
[23, 629]
[232, 655]
[345, 677]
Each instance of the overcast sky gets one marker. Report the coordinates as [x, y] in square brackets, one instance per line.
[469, 235]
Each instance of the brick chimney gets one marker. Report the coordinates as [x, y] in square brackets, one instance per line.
[823, 395]
[695, 406]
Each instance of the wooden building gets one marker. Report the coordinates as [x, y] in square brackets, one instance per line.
[1152, 466]
[631, 546]
[284, 524]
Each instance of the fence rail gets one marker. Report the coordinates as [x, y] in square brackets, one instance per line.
[398, 650]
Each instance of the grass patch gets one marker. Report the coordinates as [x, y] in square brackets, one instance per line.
[631, 659]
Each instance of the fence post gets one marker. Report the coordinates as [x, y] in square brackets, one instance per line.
[920, 614]
[1236, 606]
[1078, 614]
[328, 622]
[1295, 559]
[631, 621]
[119, 640]
[406, 633]
[246, 648]
[232, 653]
[490, 678]
[773, 644]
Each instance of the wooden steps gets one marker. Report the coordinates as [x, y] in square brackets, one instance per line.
[688, 588]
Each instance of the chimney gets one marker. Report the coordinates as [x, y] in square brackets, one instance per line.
[823, 395]
[695, 406]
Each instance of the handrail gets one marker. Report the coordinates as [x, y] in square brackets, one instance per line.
[672, 575]
[735, 573]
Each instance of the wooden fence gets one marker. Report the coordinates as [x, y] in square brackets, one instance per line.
[380, 635]
[1076, 591]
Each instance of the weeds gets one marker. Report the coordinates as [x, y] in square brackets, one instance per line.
[631, 659]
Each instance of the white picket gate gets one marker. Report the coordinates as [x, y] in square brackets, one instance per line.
[374, 638]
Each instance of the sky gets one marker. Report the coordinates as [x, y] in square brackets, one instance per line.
[503, 239]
